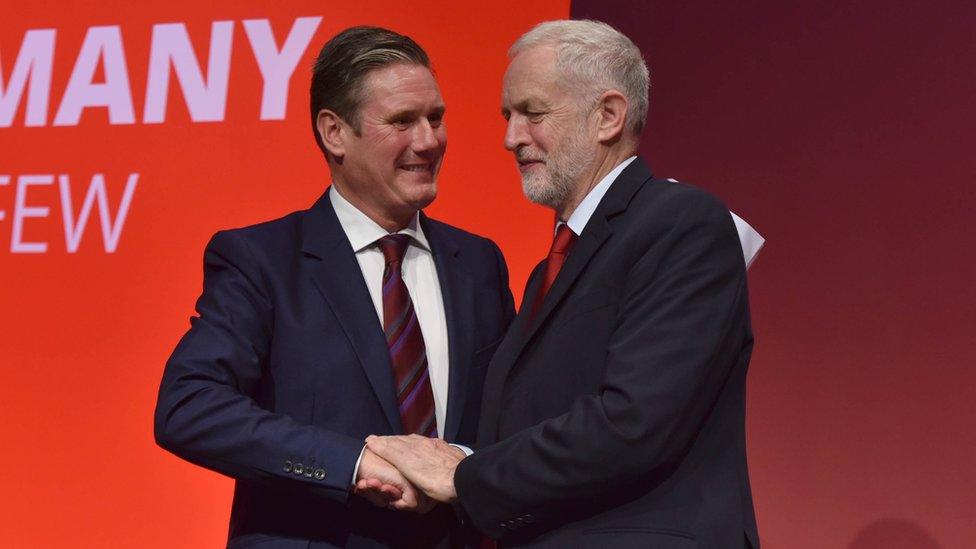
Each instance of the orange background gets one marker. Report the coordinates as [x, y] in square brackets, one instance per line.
[842, 131]
[84, 336]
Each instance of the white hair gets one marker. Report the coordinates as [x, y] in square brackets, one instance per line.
[593, 57]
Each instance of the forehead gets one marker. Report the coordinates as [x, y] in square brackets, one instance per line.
[401, 85]
[532, 75]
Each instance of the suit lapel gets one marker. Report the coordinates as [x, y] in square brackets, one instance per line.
[503, 360]
[457, 291]
[598, 229]
[340, 280]
[524, 327]
[596, 232]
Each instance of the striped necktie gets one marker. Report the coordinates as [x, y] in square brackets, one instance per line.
[408, 354]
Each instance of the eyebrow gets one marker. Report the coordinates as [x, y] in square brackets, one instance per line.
[413, 113]
[528, 104]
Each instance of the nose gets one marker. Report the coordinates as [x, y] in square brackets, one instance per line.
[516, 133]
[427, 137]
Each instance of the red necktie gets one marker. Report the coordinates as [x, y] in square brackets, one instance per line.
[561, 245]
[406, 342]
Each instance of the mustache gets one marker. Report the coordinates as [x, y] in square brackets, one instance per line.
[523, 154]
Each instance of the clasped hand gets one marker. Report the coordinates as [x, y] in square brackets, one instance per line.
[407, 473]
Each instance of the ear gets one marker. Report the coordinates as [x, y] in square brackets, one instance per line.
[612, 112]
[332, 131]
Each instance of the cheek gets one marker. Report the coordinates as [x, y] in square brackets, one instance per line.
[540, 138]
[396, 150]
[440, 134]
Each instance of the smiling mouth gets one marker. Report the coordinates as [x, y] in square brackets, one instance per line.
[416, 168]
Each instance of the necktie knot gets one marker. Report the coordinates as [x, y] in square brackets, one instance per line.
[565, 237]
[393, 247]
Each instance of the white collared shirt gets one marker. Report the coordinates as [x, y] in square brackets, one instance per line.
[420, 276]
[750, 240]
[582, 214]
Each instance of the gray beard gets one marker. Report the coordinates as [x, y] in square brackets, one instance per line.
[552, 191]
[555, 187]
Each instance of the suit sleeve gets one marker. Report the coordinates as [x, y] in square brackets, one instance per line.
[205, 412]
[680, 327]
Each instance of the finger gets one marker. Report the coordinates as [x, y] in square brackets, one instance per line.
[388, 491]
[382, 446]
[378, 490]
[392, 441]
[367, 486]
[403, 505]
[392, 493]
[379, 441]
[409, 499]
[421, 505]
[398, 451]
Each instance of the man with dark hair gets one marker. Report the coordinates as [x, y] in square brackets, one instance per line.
[338, 77]
[357, 316]
[614, 409]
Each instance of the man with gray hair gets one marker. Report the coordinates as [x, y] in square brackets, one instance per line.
[614, 409]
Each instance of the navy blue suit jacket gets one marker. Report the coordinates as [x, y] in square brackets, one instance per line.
[616, 416]
[285, 371]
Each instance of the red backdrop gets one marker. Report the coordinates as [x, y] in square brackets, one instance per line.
[843, 131]
[85, 333]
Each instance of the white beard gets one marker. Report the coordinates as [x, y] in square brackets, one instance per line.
[554, 186]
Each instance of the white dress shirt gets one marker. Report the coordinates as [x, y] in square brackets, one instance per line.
[582, 214]
[420, 276]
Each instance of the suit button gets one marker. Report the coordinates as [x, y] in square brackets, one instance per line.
[298, 468]
[319, 474]
[287, 467]
[309, 472]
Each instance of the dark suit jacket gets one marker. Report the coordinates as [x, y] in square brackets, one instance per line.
[619, 410]
[286, 371]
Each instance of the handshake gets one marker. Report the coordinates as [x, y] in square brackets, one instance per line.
[407, 473]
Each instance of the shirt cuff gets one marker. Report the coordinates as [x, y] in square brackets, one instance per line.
[355, 470]
[467, 451]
